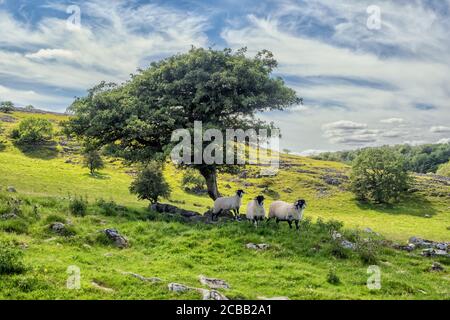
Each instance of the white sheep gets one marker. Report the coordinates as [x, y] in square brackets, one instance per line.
[283, 211]
[255, 210]
[228, 203]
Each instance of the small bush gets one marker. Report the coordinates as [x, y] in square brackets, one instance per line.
[333, 278]
[93, 161]
[6, 107]
[367, 252]
[33, 131]
[10, 259]
[150, 184]
[78, 206]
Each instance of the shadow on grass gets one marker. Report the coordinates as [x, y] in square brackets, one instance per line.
[413, 205]
[2, 145]
[98, 176]
[43, 151]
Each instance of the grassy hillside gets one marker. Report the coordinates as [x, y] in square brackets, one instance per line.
[294, 266]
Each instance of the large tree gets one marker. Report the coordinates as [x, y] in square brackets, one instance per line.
[220, 88]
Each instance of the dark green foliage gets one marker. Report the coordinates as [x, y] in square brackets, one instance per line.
[150, 184]
[33, 131]
[367, 251]
[220, 88]
[192, 181]
[78, 206]
[54, 218]
[421, 159]
[6, 107]
[379, 175]
[10, 259]
[333, 278]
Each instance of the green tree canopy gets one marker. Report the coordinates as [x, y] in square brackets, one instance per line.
[223, 89]
[379, 175]
[6, 107]
[33, 131]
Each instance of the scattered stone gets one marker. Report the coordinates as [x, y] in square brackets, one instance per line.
[214, 283]
[101, 287]
[409, 247]
[429, 252]
[332, 181]
[108, 255]
[173, 210]
[288, 190]
[50, 239]
[145, 279]
[261, 246]
[86, 246]
[213, 295]
[248, 184]
[9, 216]
[7, 118]
[273, 298]
[348, 245]
[227, 186]
[427, 216]
[119, 240]
[429, 244]
[437, 267]
[11, 189]
[177, 287]
[336, 235]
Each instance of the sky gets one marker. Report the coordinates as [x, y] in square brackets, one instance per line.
[370, 72]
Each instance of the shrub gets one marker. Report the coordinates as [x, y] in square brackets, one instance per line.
[54, 218]
[10, 259]
[78, 206]
[93, 161]
[332, 277]
[110, 208]
[193, 181]
[150, 184]
[6, 107]
[33, 131]
[379, 175]
[367, 252]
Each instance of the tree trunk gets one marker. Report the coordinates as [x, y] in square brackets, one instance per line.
[210, 175]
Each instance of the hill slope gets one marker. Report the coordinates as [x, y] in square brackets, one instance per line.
[179, 252]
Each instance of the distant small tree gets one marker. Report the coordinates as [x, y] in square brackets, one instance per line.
[379, 175]
[6, 107]
[33, 131]
[29, 108]
[287, 151]
[93, 160]
[150, 184]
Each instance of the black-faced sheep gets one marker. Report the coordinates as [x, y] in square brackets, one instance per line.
[228, 203]
[283, 211]
[255, 210]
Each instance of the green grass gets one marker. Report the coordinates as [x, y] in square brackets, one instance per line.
[296, 265]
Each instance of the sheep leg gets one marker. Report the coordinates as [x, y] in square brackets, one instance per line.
[296, 224]
[277, 220]
[290, 224]
[268, 219]
[255, 221]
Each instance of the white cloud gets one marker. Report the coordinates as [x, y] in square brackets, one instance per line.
[393, 121]
[345, 125]
[440, 129]
[389, 72]
[114, 40]
[51, 54]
